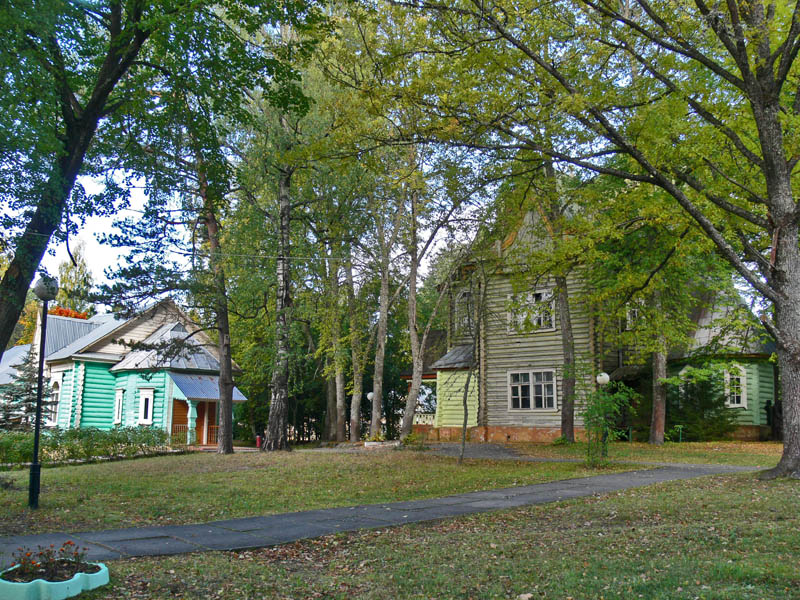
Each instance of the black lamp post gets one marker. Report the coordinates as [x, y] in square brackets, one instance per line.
[45, 289]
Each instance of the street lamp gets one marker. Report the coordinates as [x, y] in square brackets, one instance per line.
[45, 289]
[602, 378]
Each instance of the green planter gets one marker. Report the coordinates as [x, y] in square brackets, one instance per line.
[39, 589]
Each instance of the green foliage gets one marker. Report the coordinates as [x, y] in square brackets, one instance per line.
[562, 441]
[602, 412]
[696, 402]
[18, 399]
[75, 281]
[59, 445]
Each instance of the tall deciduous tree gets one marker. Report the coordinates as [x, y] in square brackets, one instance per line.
[78, 73]
[701, 98]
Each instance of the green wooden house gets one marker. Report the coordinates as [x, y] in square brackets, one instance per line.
[98, 381]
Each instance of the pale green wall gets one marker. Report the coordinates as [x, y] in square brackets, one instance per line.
[97, 409]
[131, 382]
[450, 399]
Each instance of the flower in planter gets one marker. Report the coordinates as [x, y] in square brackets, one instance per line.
[49, 563]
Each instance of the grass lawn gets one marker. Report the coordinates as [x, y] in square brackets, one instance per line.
[751, 454]
[726, 537]
[195, 488]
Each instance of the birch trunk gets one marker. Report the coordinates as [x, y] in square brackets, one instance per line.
[279, 403]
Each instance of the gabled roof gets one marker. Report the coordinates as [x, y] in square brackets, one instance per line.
[102, 327]
[12, 358]
[460, 357]
[195, 357]
[63, 331]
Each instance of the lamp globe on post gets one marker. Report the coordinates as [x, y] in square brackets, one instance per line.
[46, 290]
[602, 378]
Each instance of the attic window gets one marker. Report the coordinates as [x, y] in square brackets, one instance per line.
[463, 316]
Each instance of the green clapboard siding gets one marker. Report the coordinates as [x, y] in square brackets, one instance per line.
[450, 399]
[97, 408]
[132, 382]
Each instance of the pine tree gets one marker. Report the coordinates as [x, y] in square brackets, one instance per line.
[18, 401]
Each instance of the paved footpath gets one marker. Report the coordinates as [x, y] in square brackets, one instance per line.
[256, 532]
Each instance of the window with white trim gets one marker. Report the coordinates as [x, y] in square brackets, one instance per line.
[535, 312]
[736, 387]
[51, 407]
[532, 390]
[119, 396]
[146, 396]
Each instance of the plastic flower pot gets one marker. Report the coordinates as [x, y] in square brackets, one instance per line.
[39, 589]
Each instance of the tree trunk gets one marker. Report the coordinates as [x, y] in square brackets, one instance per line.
[355, 355]
[330, 408]
[340, 406]
[417, 348]
[380, 345]
[80, 129]
[787, 321]
[568, 348]
[33, 243]
[225, 431]
[659, 398]
[279, 404]
[465, 404]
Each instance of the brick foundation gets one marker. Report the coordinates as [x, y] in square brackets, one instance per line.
[751, 433]
[493, 434]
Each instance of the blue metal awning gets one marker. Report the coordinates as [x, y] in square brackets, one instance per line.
[202, 387]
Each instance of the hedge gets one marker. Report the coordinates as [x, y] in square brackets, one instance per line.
[57, 445]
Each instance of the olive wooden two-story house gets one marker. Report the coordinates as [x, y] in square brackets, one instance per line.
[505, 349]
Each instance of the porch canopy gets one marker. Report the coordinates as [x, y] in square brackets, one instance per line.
[203, 388]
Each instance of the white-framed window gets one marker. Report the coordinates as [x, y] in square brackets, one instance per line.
[463, 313]
[532, 390]
[532, 313]
[51, 408]
[119, 396]
[735, 387]
[632, 316]
[146, 396]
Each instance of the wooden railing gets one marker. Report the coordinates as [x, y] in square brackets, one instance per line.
[180, 434]
[424, 418]
[212, 435]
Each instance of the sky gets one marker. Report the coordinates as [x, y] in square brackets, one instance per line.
[98, 256]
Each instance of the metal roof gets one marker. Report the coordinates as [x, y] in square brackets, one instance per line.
[101, 328]
[63, 331]
[460, 357]
[12, 358]
[194, 358]
[202, 387]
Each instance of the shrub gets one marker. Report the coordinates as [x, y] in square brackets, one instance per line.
[604, 408]
[696, 402]
[57, 445]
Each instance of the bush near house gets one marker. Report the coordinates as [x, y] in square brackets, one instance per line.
[82, 444]
[696, 403]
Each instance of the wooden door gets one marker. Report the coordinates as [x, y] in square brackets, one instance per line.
[201, 423]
